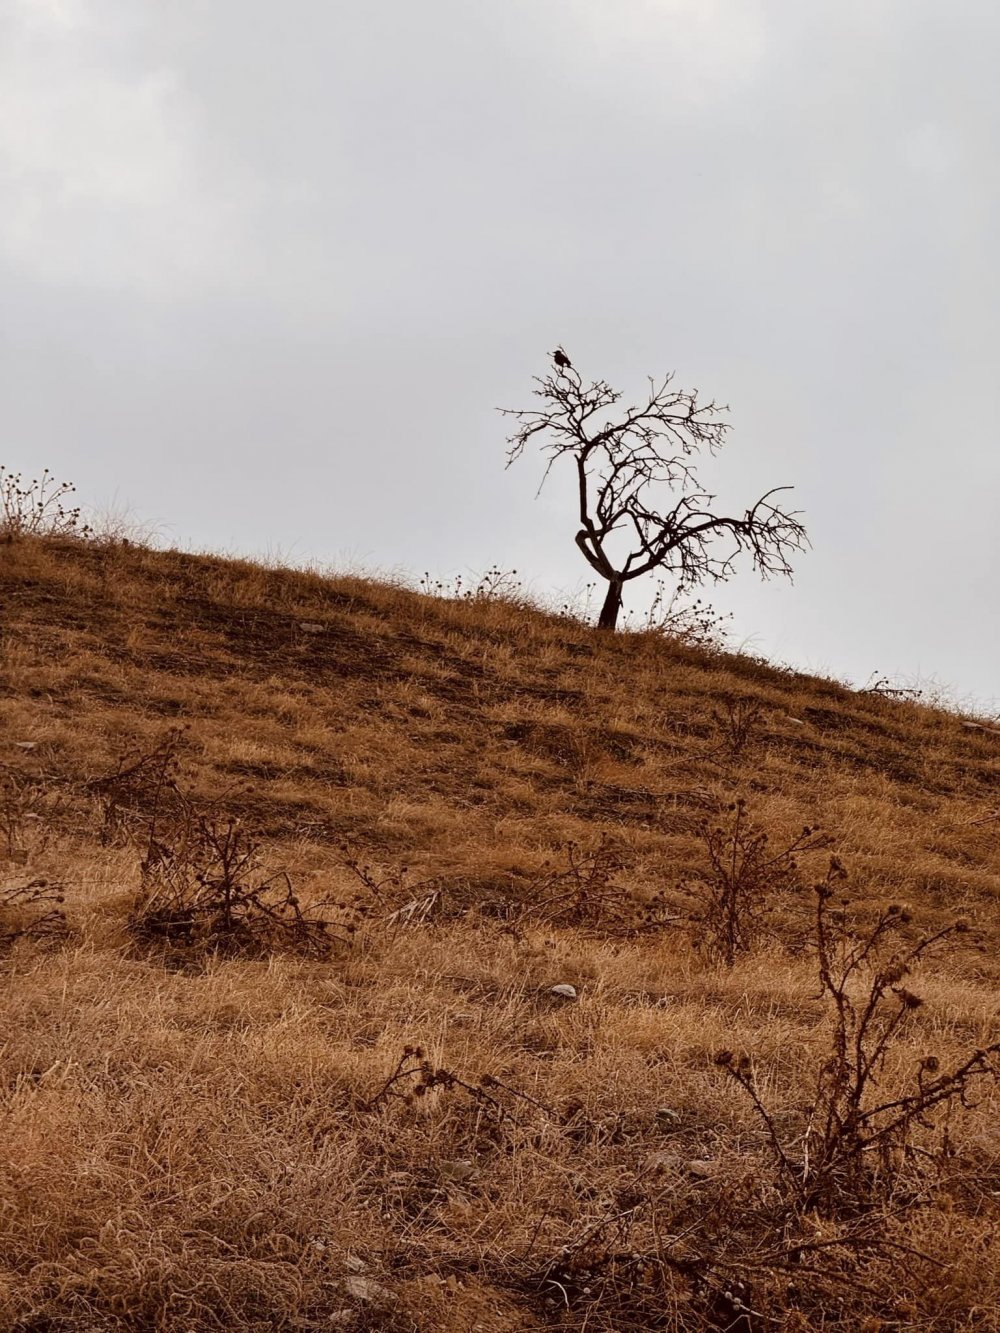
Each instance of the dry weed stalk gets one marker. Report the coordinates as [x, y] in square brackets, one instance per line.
[202, 880]
[141, 791]
[694, 624]
[884, 686]
[37, 507]
[745, 875]
[858, 1149]
[206, 889]
[583, 892]
[739, 721]
[32, 911]
[414, 1076]
[22, 827]
[388, 898]
[495, 585]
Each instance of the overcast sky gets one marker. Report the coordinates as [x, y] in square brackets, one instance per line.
[267, 269]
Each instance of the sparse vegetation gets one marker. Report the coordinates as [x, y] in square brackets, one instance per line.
[858, 1149]
[31, 910]
[207, 1120]
[694, 623]
[745, 877]
[38, 507]
[495, 585]
[205, 889]
[739, 721]
[203, 886]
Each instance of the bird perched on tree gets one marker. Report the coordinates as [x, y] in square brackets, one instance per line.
[561, 359]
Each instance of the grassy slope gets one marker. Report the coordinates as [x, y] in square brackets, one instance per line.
[187, 1149]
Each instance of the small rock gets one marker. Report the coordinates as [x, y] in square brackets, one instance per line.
[354, 1264]
[457, 1171]
[564, 991]
[367, 1292]
[26, 745]
[666, 1115]
[700, 1169]
[658, 1163]
[311, 627]
[340, 1319]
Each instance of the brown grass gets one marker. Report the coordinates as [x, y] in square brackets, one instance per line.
[188, 1139]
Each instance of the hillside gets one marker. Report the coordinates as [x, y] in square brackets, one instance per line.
[482, 801]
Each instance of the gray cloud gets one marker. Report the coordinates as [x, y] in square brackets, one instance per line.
[266, 271]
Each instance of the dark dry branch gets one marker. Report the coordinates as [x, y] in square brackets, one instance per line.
[141, 791]
[415, 1076]
[205, 889]
[31, 911]
[583, 891]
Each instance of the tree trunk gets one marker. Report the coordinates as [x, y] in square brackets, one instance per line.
[612, 605]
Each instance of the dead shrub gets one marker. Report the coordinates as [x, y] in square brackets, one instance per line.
[204, 886]
[745, 876]
[860, 1147]
[391, 898]
[206, 890]
[495, 585]
[583, 890]
[815, 1223]
[414, 1076]
[739, 722]
[141, 790]
[38, 507]
[24, 804]
[32, 910]
[693, 624]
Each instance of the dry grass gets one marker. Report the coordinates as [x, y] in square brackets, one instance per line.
[189, 1140]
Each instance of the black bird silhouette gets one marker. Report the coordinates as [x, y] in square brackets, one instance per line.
[561, 359]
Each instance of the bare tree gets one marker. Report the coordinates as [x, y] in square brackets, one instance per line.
[639, 494]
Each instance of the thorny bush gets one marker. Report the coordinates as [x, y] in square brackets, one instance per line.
[414, 1076]
[694, 624]
[24, 805]
[203, 885]
[387, 897]
[584, 891]
[495, 585]
[745, 875]
[739, 721]
[141, 792]
[206, 889]
[779, 1235]
[32, 910]
[860, 1147]
[38, 507]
